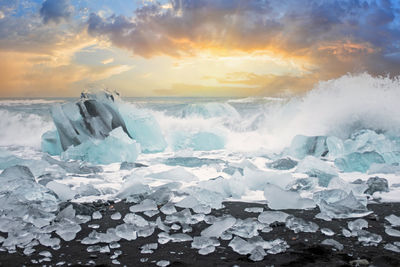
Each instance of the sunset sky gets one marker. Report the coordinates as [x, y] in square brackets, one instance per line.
[192, 47]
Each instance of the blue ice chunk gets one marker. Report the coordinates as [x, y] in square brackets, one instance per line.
[117, 147]
[144, 128]
[358, 162]
[303, 146]
[335, 147]
[202, 141]
[317, 168]
[51, 143]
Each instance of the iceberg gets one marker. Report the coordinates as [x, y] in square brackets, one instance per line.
[100, 123]
[358, 162]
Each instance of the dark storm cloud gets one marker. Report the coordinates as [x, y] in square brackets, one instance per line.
[56, 10]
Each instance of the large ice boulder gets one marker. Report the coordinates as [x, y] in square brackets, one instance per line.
[317, 168]
[116, 147]
[101, 128]
[358, 162]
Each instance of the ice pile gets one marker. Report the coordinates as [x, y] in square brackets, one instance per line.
[364, 150]
[101, 129]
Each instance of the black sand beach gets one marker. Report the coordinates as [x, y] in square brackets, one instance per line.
[305, 248]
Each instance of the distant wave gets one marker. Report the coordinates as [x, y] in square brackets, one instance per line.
[26, 102]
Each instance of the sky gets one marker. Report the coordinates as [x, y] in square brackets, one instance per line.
[211, 48]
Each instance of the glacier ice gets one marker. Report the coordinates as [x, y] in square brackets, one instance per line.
[299, 225]
[269, 217]
[51, 143]
[282, 164]
[317, 168]
[281, 199]
[145, 205]
[218, 227]
[358, 162]
[303, 146]
[116, 147]
[336, 203]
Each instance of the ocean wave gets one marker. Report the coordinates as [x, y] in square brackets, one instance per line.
[27, 102]
[22, 129]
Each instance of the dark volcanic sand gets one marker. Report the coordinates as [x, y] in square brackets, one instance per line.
[305, 248]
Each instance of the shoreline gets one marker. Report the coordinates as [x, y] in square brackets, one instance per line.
[305, 248]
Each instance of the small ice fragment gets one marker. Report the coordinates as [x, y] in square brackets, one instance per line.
[392, 232]
[269, 217]
[175, 227]
[148, 248]
[161, 225]
[368, 239]
[162, 263]
[126, 231]
[144, 259]
[333, 243]
[95, 248]
[96, 215]
[104, 249]
[327, 231]
[114, 245]
[254, 209]
[202, 208]
[151, 213]
[200, 242]
[145, 205]
[217, 228]
[393, 220]
[116, 262]
[63, 191]
[257, 254]
[392, 247]
[135, 219]
[188, 202]
[346, 232]
[299, 225]
[207, 250]
[241, 246]
[116, 216]
[168, 209]
[94, 226]
[180, 238]
[46, 254]
[357, 225]
[376, 184]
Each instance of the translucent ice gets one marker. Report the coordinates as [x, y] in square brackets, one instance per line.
[145, 205]
[241, 246]
[317, 168]
[281, 199]
[143, 127]
[393, 220]
[357, 225]
[188, 202]
[116, 147]
[299, 225]
[336, 203]
[368, 239]
[63, 191]
[358, 162]
[333, 243]
[303, 146]
[219, 227]
[51, 143]
[202, 242]
[269, 217]
[327, 231]
[392, 232]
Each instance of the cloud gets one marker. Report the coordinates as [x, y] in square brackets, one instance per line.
[56, 10]
[354, 35]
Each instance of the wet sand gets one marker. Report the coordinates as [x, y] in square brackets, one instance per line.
[305, 248]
